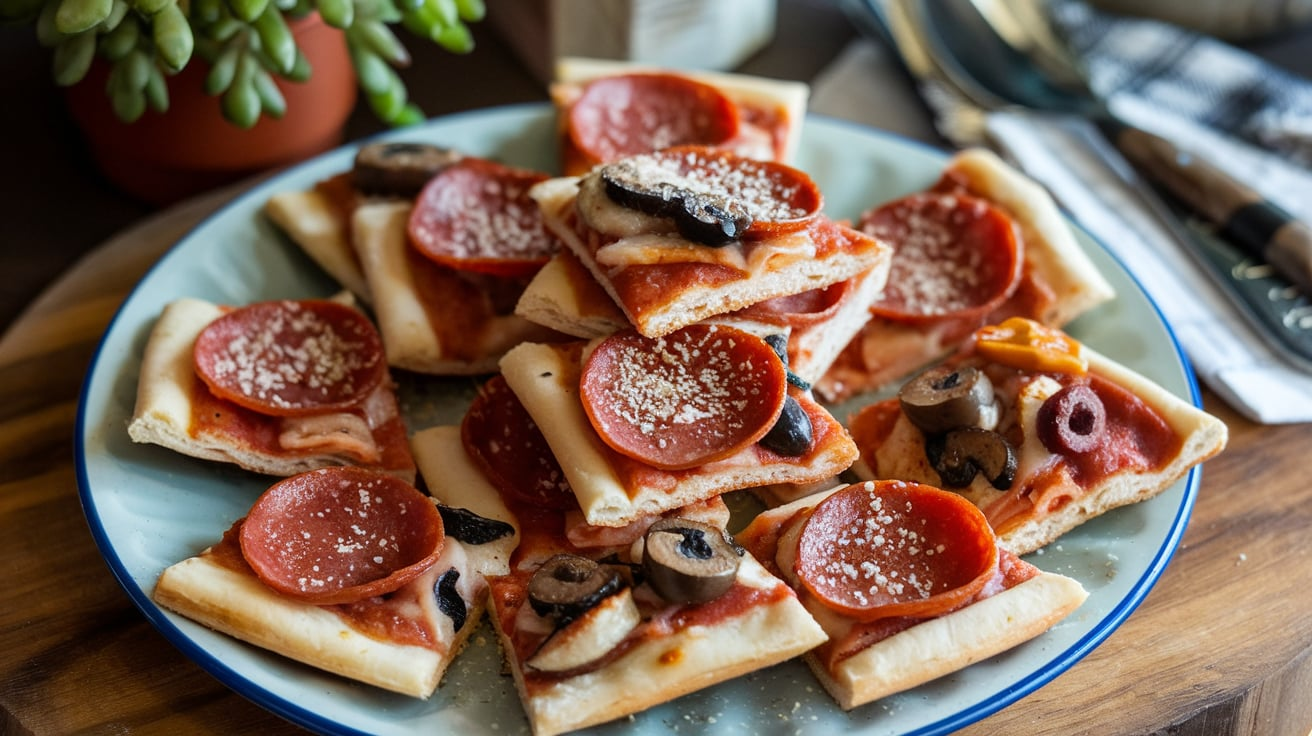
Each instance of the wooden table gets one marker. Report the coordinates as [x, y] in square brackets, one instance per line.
[1222, 645]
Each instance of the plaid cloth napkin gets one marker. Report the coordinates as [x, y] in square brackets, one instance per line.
[1142, 63]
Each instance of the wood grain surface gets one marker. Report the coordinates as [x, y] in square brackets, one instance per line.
[1222, 645]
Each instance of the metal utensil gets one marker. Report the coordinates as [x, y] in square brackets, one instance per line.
[1008, 50]
[961, 106]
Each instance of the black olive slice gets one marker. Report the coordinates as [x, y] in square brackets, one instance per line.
[943, 398]
[398, 169]
[959, 455]
[711, 219]
[1073, 420]
[701, 217]
[449, 600]
[791, 434]
[568, 585]
[780, 344]
[470, 528]
[689, 562]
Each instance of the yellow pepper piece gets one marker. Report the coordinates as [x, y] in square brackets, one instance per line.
[1030, 346]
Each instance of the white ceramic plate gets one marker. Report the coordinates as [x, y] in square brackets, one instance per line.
[149, 508]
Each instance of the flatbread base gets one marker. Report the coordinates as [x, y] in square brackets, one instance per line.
[545, 378]
[949, 643]
[239, 605]
[163, 414]
[664, 668]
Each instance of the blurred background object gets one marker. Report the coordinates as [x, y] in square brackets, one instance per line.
[688, 34]
[1235, 20]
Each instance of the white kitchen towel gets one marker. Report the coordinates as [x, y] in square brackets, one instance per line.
[1223, 347]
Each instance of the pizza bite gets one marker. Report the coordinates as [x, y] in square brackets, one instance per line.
[607, 110]
[350, 571]
[1040, 432]
[691, 233]
[642, 425]
[817, 324]
[599, 622]
[276, 387]
[908, 582]
[982, 244]
[318, 219]
[441, 245]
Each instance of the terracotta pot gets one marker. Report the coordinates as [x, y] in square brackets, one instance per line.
[163, 158]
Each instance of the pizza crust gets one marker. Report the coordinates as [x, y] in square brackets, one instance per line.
[790, 97]
[313, 223]
[239, 605]
[949, 643]
[409, 336]
[887, 350]
[567, 298]
[1203, 436]
[1058, 259]
[664, 668]
[937, 646]
[545, 378]
[684, 304]
[163, 414]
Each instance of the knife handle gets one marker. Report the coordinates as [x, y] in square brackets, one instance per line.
[1242, 216]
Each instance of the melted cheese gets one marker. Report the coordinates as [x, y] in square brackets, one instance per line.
[341, 433]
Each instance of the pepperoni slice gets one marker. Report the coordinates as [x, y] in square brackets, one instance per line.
[953, 256]
[476, 215]
[629, 114]
[890, 548]
[800, 310]
[501, 436]
[696, 183]
[341, 534]
[696, 395]
[291, 358]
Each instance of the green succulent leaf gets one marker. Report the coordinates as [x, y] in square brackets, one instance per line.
[76, 16]
[73, 58]
[172, 36]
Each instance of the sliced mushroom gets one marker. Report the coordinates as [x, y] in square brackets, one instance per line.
[944, 397]
[589, 637]
[470, 528]
[566, 586]
[687, 561]
[399, 169]
[959, 455]
[791, 434]
[1073, 420]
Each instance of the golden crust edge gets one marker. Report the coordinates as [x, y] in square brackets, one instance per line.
[953, 642]
[239, 606]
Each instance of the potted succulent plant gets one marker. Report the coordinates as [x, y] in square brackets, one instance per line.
[248, 43]
[258, 68]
